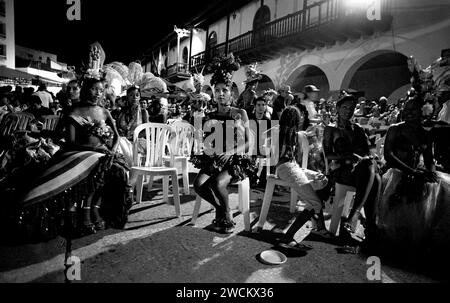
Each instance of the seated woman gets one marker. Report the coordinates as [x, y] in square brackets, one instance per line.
[217, 171]
[85, 172]
[346, 145]
[293, 145]
[414, 206]
[130, 117]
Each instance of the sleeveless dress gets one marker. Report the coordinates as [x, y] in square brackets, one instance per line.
[72, 175]
[238, 166]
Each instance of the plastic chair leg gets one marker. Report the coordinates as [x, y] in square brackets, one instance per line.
[245, 194]
[198, 203]
[185, 176]
[294, 199]
[176, 194]
[270, 186]
[140, 185]
[338, 207]
[165, 189]
[150, 183]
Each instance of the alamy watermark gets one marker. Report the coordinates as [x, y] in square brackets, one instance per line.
[254, 138]
[73, 269]
[374, 271]
[74, 10]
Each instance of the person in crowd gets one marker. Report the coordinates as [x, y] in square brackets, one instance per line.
[260, 112]
[72, 97]
[86, 183]
[158, 111]
[247, 98]
[312, 97]
[346, 145]
[44, 95]
[199, 104]
[129, 118]
[361, 110]
[131, 115]
[293, 150]
[382, 104]
[443, 97]
[37, 109]
[221, 165]
[414, 210]
[5, 106]
[284, 99]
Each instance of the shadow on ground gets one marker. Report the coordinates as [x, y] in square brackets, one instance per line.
[187, 254]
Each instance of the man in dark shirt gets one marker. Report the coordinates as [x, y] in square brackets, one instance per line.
[37, 110]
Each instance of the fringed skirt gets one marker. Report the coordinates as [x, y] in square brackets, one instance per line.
[238, 166]
[71, 177]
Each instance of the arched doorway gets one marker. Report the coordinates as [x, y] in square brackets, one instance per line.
[212, 42]
[310, 75]
[264, 84]
[262, 17]
[185, 55]
[378, 74]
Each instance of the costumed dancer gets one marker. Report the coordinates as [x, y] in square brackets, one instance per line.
[218, 166]
[67, 197]
[247, 98]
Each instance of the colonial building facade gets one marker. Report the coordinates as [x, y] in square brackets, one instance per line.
[334, 44]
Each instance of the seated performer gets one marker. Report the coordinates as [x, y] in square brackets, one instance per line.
[218, 170]
[80, 176]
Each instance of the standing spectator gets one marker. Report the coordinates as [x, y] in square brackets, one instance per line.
[248, 97]
[382, 104]
[312, 96]
[443, 95]
[282, 101]
[44, 95]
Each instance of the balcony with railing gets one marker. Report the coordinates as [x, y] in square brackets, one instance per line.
[177, 72]
[321, 24]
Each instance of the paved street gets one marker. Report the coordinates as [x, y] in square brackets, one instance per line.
[158, 247]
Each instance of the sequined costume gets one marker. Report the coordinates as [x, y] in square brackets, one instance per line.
[238, 166]
[52, 204]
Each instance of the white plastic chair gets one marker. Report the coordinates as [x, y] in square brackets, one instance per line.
[273, 180]
[342, 202]
[180, 148]
[157, 136]
[50, 122]
[244, 203]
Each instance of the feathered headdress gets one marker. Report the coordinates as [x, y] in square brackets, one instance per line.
[429, 80]
[198, 78]
[222, 68]
[93, 66]
[252, 74]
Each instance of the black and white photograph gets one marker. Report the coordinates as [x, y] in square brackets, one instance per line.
[225, 147]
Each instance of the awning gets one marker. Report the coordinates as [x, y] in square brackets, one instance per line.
[10, 73]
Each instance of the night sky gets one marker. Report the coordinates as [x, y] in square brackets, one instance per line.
[125, 29]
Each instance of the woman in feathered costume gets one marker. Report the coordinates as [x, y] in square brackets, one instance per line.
[413, 213]
[221, 165]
